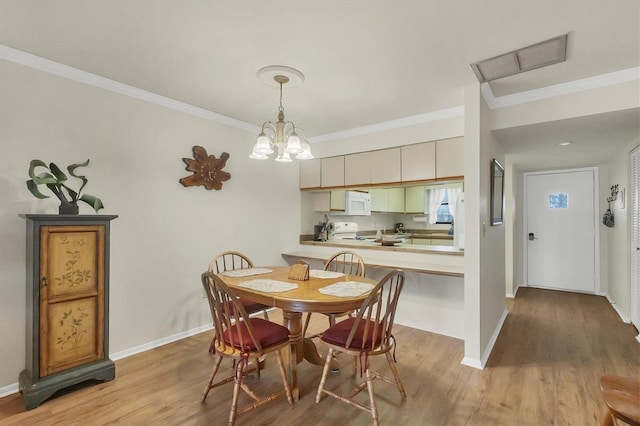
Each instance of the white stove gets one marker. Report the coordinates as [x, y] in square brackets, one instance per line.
[345, 230]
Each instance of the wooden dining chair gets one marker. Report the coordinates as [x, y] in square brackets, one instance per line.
[241, 338]
[622, 397]
[367, 334]
[346, 262]
[231, 260]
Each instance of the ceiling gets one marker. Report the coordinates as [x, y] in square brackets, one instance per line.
[364, 61]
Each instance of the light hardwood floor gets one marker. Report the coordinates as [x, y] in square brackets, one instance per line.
[544, 370]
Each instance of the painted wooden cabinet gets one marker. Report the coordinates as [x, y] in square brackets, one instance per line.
[419, 162]
[357, 169]
[67, 304]
[332, 172]
[310, 173]
[385, 166]
[450, 158]
[387, 200]
[414, 199]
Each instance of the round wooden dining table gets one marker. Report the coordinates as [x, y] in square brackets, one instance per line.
[305, 298]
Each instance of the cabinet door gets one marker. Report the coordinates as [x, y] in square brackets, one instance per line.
[71, 296]
[414, 199]
[332, 171]
[419, 162]
[450, 158]
[396, 200]
[385, 166]
[310, 173]
[357, 169]
[338, 202]
[379, 199]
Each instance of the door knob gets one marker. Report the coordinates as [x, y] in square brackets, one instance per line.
[531, 236]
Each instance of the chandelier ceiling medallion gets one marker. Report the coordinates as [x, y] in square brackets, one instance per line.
[283, 135]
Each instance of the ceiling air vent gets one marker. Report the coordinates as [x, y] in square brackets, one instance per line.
[527, 58]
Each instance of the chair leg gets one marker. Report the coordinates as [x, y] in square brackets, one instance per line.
[239, 371]
[306, 324]
[265, 314]
[372, 399]
[325, 371]
[207, 388]
[285, 380]
[394, 370]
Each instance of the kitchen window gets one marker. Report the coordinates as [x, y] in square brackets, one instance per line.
[444, 216]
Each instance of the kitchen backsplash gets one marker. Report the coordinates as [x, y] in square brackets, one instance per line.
[369, 223]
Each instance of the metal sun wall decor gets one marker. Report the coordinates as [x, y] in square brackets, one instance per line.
[207, 169]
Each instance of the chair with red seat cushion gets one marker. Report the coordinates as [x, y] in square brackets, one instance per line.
[241, 338]
[229, 261]
[346, 262]
[365, 335]
[232, 260]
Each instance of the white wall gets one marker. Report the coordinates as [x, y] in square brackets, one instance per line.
[165, 234]
[617, 240]
[484, 282]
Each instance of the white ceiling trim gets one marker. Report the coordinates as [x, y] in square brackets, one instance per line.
[575, 86]
[75, 74]
[392, 124]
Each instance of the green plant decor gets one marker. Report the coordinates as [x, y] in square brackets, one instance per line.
[56, 180]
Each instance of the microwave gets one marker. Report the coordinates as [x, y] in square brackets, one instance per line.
[356, 203]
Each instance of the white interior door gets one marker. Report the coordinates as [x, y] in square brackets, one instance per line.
[635, 237]
[561, 228]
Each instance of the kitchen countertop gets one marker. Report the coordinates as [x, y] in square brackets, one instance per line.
[375, 259]
[401, 247]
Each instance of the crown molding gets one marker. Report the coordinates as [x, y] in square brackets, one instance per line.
[55, 68]
[392, 124]
[75, 74]
[609, 79]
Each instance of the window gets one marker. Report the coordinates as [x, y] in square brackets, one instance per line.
[444, 215]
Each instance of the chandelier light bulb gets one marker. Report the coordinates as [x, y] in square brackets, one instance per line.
[281, 134]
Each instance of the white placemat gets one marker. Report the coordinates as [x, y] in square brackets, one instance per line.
[268, 286]
[246, 272]
[346, 289]
[319, 273]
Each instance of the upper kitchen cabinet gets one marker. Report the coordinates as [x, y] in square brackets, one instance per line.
[385, 166]
[419, 162]
[387, 200]
[310, 172]
[414, 199]
[357, 169]
[450, 158]
[332, 172]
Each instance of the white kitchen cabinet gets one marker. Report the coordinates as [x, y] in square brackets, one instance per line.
[332, 172]
[418, 162]
[385, 166]
[414, 200]
[321, 201]
[310, 172]
[337, 200]
[357, 169]
[450, 158]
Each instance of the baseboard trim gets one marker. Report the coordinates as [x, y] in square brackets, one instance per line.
[514, 294]
[9, 390]
[14, 388]
[615, 307]
[480, 363]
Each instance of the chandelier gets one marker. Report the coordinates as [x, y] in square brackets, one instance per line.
[282, 135]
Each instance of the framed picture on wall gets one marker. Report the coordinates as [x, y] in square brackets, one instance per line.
[497, 193]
